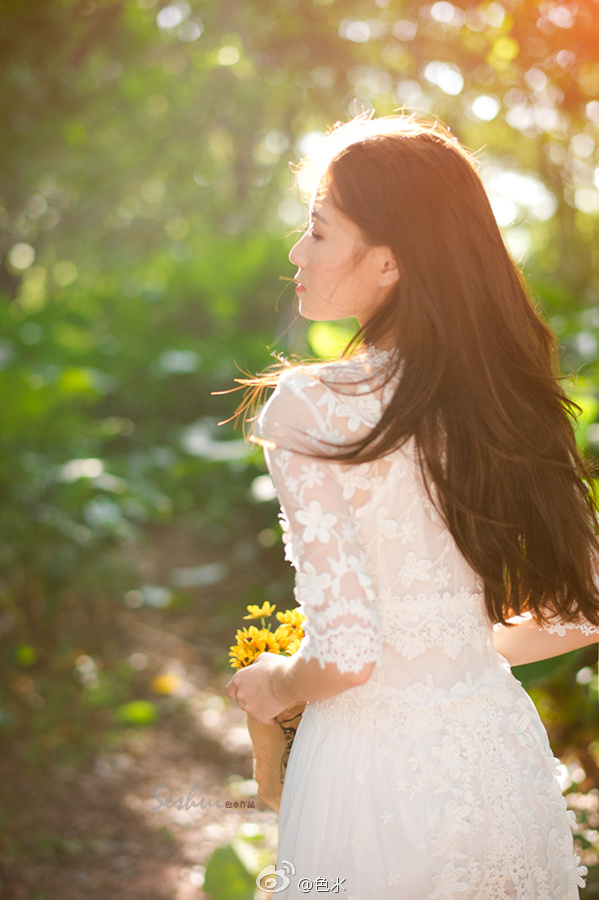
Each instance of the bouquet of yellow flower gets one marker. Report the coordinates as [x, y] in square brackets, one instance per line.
[271, 745]
[252, 641]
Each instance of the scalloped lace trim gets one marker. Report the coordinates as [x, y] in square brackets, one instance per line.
[559, 627]
[349, 647]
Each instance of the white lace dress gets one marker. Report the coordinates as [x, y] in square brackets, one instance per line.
[434, 780]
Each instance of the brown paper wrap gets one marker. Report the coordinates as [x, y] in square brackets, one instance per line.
[272, 745]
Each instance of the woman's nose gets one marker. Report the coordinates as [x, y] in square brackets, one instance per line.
[295, 254]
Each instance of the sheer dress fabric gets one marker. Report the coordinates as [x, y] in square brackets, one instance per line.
[434, 780]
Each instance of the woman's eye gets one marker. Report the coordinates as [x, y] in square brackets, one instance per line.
[315, 236]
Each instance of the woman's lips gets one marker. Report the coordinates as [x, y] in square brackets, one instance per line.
[299, 288]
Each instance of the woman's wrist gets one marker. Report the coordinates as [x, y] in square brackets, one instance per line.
[282, 683]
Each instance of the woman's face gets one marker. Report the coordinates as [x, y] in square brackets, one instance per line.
[339, 275]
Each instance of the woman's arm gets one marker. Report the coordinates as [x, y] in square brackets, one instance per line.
[342, 640]
[528, 642]
[272, 683]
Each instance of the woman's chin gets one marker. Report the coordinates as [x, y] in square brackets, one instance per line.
[313, 315]
[307, 313]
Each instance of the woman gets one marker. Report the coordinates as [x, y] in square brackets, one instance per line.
[431, 488]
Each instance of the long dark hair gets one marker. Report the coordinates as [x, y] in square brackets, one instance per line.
[478, 389]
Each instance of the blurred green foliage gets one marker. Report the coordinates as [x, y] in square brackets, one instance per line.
[146, 203]
[227, 877]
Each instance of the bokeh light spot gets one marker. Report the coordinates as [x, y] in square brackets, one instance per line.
[519, 243]
[561, 15]
[276, 142]
[592, 111]
[21, 256]
[172, 15]
[361, 30]
[190, 31]
[221, 144]
[486, 107]
[64, 273]
[447, 13]
[228, 56]
[153, 190]
[475, 20]
[355, 31]
[495, 14]
[566, 58]
[504, 210]
[404, 30]
[586, 199]
[291, 212]
[75, 469]
[506, 49]
[446, 76]
[411, 93]
[177, 228]
[520, 190]
[536, 79]
[582, 145]
[36, 206]
[520, 117]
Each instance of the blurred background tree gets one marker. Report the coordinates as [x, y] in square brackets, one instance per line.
[147, 206]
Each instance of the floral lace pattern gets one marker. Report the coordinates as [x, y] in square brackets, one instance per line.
[446, 785]
[480, 759]
[333, 586]
[414, 624]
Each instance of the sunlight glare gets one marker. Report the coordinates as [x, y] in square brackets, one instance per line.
[446, 76]
[486, 107]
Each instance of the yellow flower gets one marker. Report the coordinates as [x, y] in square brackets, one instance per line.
[289, 638]
[266, 641]
[294, 620]
[242, 656]
[257, 612]
[283, 633]
[293, 645]
[291, 617]
[252, 641]
[245, 636]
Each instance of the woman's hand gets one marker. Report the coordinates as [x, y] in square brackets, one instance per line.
[254, 687]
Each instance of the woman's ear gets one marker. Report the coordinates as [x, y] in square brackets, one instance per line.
[387, 267]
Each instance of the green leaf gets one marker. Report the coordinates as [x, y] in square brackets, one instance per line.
[227, 878]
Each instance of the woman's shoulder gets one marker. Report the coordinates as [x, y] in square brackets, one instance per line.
[357, 374]
[292, 415]
[335, 402]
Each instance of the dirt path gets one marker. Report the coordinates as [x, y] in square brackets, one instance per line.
[100, 832]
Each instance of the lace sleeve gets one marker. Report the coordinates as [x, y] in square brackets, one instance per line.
[333, 588]
[558, 626]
